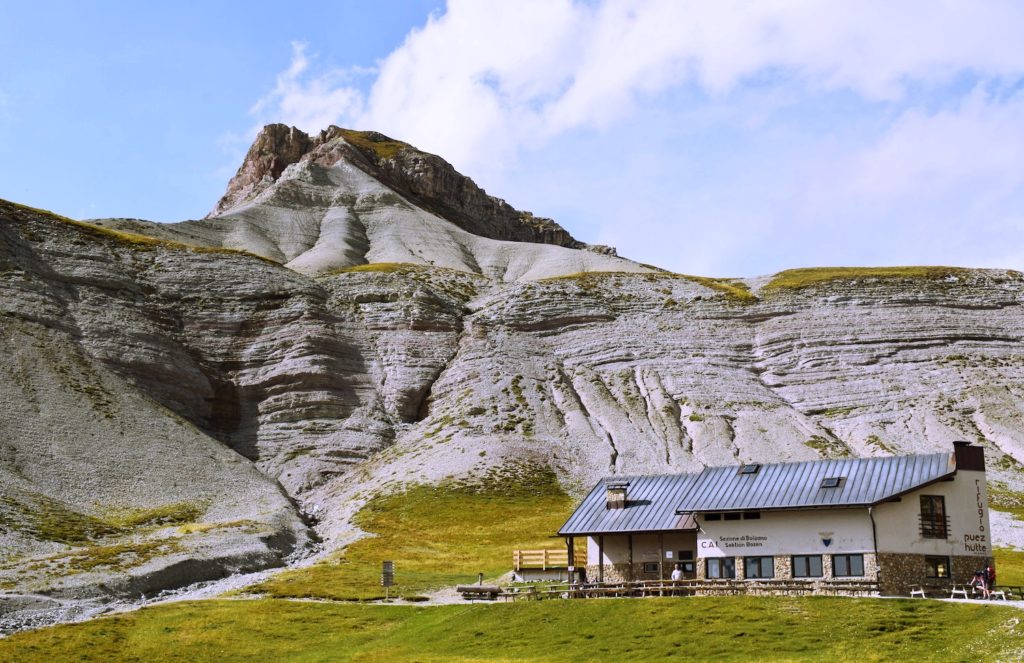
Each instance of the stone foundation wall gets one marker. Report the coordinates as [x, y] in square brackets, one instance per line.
[784, 566]
[899, 571]
[784, 569]
[624, 572]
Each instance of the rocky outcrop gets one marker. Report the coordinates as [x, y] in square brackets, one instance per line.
[112, 479]
[426, 180]
[348, 198]
[276, 147]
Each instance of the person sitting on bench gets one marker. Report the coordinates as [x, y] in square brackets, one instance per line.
[979, 582]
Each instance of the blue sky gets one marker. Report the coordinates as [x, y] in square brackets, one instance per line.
[726, 138]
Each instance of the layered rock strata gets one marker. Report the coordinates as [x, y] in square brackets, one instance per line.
[181, 392]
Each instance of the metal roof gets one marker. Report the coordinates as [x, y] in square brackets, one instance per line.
[798, 485]
[651, 507]
[657, 502]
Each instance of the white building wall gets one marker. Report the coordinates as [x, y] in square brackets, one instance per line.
[823, 531]
[646, 547]
[898, 523]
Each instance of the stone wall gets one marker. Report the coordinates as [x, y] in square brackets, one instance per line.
[899, 571]
[624, 572]
[784, 569]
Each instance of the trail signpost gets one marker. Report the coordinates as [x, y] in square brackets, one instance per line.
[387, 577]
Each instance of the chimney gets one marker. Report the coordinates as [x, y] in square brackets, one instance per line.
[615, 494]
[968, 457]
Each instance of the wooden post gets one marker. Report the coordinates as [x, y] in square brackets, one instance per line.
[661, 556]
[632, 571]
[571, 559]
[600, 558]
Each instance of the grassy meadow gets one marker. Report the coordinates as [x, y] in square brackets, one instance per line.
[438, 536]
[706, 629]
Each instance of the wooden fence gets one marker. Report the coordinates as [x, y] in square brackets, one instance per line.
[541, 559]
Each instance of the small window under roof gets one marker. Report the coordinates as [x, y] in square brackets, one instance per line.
[831, 482]
[752, 468]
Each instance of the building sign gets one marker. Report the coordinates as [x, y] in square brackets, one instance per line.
[978, 543]
[728, 542]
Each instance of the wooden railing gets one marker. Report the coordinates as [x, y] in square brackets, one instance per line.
[541, 559]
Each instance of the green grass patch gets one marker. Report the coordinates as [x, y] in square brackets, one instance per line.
[828, 448]
[379, 144]
[140, 242]
[1009, 566]
[438, 536]
[732, 289]
[736, 291]
[1003, 499]
[700, 629]
[793, 279]
[378, 267]
[877, 442]
[50, 520]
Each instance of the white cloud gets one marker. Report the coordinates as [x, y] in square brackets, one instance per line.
[930, 131]
[487, 79]
[981, 138]
[310, 102]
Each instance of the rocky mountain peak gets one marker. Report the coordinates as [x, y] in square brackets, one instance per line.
[276, 147]
[424, 179]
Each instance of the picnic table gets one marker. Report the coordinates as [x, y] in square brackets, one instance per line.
[486, 592]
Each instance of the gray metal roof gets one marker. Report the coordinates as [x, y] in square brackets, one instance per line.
[651, 507]
[655, 502]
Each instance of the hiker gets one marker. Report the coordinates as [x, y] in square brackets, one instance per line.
[979, 582]
[677, 572]
[990, 577]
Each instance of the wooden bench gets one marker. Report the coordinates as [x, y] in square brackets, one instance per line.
[516, 593]
[918, 591]
[484, 592]
[958, 589]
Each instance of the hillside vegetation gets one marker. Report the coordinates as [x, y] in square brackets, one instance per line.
[438, 536]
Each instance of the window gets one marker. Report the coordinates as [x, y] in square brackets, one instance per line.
[831, 482]
[847, 565]
[712, 516]
[759, 567]
[934, 521]
[651, 567]
[685, 554]
[807, 566]
[938, 567]
[721, 567]
[752, 468]
[732, 516]
[752, 515]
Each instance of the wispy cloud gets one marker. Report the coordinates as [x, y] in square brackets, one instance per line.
[310, 100]
[895, 110]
